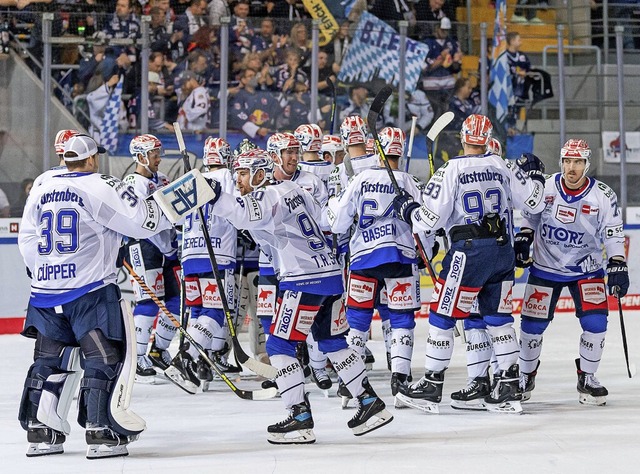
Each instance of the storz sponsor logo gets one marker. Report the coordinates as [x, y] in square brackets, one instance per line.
[456, 267]
[136, 258]
[285, 320]
[447, 299]
[560, 234]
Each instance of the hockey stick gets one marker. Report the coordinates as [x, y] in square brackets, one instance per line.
[372, 118]
[332, 87]
[255, 366]
[624, 333]
[439, 125]
[412, 135]
[261, 394]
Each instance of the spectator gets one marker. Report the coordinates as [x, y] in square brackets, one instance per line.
[124, 23]
[286, 9]
[180, 6]
[392, 12]
[519, 66]
[442, 64]
[254, 112]
[18, 207]
[461, 104]
[299, 39]
[428, 14]
[5, 208]
[338, 47]
[206, 41]
[160, 38]
[528, 15]
[98, 100]
[253, 61]
[195, 62]
[217, 9]
[168, 14]
[194, 103]
[240, 31]
[192, 20]
[287, 74]
[157, 93]
[420, 107]
[266, 43]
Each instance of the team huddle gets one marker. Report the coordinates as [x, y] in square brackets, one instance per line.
[308, 239]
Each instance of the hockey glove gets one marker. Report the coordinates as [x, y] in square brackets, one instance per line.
[532, 166]
[404, 206]
[217, 189]
[522, 246]
[617, 277]
[246, 240]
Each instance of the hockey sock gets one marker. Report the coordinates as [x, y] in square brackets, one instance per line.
[144, 324]
[204, 331]
[317, 359]
[505, 345]
[530, 349]
[479, 352]
[357, 340]
[290, 379]
[165, 330]
[350, 368]
[401, 350]
[386, 334]
[591, 348]
[439, 349]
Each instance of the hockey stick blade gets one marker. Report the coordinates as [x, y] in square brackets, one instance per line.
[181, 146]
[377, 106]
[439, 125]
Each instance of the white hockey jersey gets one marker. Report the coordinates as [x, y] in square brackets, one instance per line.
[195, 257]
[572, 228]
[167, 241]
[339, 177]
[194, 111]
[322, 169]
[379, 237]
[56, 170]
[466, 188]
[283, 219]
[71, 231]
[312, 184]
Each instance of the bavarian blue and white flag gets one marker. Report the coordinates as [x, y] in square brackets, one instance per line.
[374, 53]
[501, 92]
[109, 128]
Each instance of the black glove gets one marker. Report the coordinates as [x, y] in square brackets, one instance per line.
[522, 247]
[246, 240]
[217, 189]
[617, 277]
[404, 206]
[532, 166]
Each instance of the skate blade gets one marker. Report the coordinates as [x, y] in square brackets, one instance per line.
[586, 399]
[513, 407]
[97, 451]
[150, 380]
[398, 405]
[476, 405]
[423, 405]
[43, 449]
[376, 421]
[175, 376]
[368, 366]
[526, 396]
[293, 437]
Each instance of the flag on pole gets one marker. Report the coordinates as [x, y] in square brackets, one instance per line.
[501, 92]
[109, 128]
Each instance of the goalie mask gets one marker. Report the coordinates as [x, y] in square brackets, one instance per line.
[476, 130]
[62, 137]
[392, 140]
[353, 131]
[216, 152]
[494, 147]
[140, 147]
[244, 145]
[576, 148]
[254, 161]
[310, 137]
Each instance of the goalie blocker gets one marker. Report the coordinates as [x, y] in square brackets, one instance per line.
[184, 195]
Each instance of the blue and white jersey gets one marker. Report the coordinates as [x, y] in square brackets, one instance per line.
[56, 170]
[339, 177]
[166, 242]
[466, 188]
[572, 228]
[379, 237]
[283, 219]
[71, 231]
[311, 184]
[322, 169]
[195, 257]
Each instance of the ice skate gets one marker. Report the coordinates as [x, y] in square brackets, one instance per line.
[43, 440]
[345, 396]
[183, 372]
[145, 373]
[590, 391]
[371, 413]
[160, 358]
[472, 396]
[321, 379]
[296, 429]
[505, 394]
[425, 394]
[368, 358]
[222, 363]
[103, 442]
[528, 383]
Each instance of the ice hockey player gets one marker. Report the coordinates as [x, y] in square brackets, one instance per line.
[310, 138]
[284, 218]
[69, 238]
[382, 255]
[202, 295]
[581, 215]
[471, 197]
[62, 137]
[156, 260]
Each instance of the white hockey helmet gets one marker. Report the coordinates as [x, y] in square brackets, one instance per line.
[392, 140]
[63, 137]
[476, 130]
[281, 141]
[494, 146]
[141, 145]
[353, 131]
[216, 152]
[576, 148]
[331, 144]
[310, 137]
[255, 160]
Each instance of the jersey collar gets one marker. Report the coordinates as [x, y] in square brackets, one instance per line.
[564, 192]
